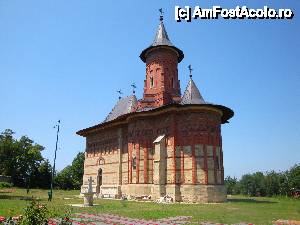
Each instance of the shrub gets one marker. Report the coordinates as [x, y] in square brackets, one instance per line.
[36, 214]
[5, 185]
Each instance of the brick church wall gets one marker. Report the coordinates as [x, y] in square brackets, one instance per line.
[102, 151]
[193, 155]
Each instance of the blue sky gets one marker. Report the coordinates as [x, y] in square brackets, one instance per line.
[66, 59]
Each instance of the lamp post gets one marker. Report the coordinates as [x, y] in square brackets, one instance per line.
[50, 194]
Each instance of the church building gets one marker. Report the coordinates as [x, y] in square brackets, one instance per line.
[165, 143]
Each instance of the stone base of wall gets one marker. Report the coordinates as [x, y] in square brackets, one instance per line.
[110, 191]
[203, 193]
[158, 191]
[180, 193]
[106, 191]
[174, 192]
[136, 189]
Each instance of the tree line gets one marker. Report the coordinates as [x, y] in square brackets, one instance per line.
[22, 160]
[266, 184]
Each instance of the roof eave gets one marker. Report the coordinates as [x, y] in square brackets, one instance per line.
[143, 55]
[227, 114]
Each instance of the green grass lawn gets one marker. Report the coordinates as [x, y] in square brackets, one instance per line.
[260, 211]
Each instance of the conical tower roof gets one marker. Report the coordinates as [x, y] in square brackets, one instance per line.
[161, 36]
[161, 39]
[192, 94]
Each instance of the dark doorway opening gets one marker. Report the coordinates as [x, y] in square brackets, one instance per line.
[99, 180]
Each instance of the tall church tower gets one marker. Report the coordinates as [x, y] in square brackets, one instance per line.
[161, 86]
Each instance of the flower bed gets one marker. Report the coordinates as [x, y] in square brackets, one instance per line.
[109, 219]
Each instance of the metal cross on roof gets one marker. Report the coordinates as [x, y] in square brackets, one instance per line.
[190, 69]
[161, 14]
[120, 93]
[133, 87]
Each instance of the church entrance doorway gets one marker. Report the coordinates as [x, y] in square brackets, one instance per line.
[99, 181]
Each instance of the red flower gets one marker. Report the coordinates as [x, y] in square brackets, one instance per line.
[2, 218]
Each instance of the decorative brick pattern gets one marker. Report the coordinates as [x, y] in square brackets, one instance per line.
[196, 161]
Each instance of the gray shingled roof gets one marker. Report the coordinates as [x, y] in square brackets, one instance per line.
[161, 36]
[123, 106]
[192, 94]
[161, 39]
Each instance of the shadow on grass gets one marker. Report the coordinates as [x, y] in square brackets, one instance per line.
[16, 197]
[249, 200]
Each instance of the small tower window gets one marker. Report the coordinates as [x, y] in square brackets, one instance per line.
[217, 163]
[134, 163]
[151, 82]
[172, 82]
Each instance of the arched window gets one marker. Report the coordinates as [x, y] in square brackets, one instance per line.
[151, 82]
[134, 163]
[100, 161]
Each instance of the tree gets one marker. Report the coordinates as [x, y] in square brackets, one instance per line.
[231, 185]
[272, 183]
[268, 184]
[77, 170]
[64, 180]
[253, 184]
[22, 160]
[19, 158]
[42, 175]
[294, 177]
[71, 176]
[8, 150]
[284, 185]
[27, 160]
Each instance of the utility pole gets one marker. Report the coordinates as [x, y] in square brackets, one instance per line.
[50, 194]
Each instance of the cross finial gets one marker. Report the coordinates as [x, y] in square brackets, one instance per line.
[90, 180]
[161, 18]
[58, 123]
[190, 69]
[120, 93]
[90, 187]
[133, 87]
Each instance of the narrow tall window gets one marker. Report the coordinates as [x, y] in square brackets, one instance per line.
[172, 82]
[134, 163]
[151, 82]
[217, 163]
